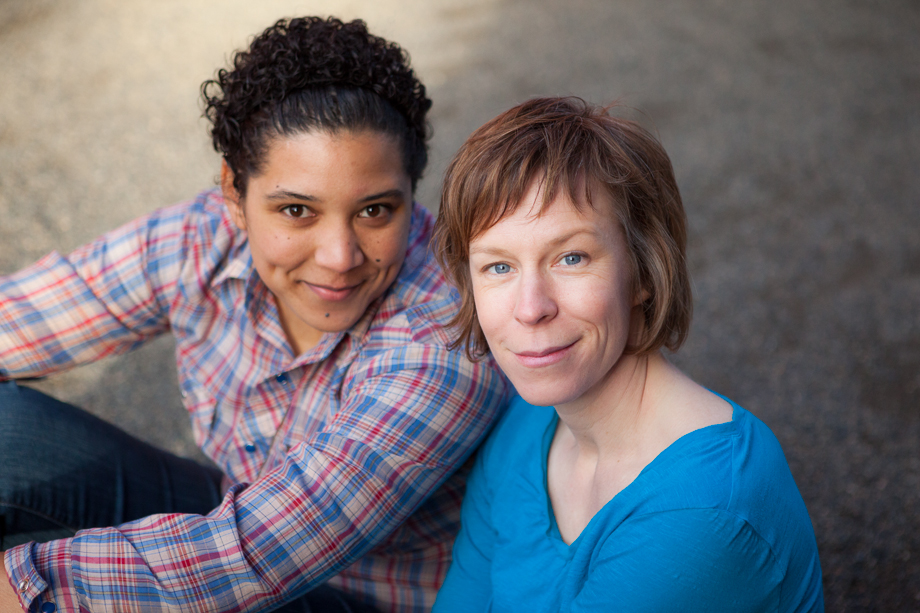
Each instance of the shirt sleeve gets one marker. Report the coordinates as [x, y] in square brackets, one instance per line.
[105, 298]
[398, 435]
[695, 560]
[468, 586]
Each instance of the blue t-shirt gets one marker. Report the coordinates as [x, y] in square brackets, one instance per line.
[714, 523]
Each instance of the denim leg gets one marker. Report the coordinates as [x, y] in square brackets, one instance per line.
[63, 469]
[326, 599]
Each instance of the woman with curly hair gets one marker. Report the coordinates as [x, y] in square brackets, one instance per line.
[308, 316]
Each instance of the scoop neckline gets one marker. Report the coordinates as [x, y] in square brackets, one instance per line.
[553, 532]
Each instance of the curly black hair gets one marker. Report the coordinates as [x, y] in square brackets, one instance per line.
[311, 73]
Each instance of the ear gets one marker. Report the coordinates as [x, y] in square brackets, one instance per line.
[641, 296]
[232, 196]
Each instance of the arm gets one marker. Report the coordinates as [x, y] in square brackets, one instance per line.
[105, 298]
[468, 586]
[397, 436]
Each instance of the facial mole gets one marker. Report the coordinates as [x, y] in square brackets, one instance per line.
[327, 314]
[377, 260]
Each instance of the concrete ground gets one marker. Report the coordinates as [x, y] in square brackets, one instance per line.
[794, 128]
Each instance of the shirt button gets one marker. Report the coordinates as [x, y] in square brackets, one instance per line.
[48, 607]
[250, 447]
[23, 585]
[282, 378]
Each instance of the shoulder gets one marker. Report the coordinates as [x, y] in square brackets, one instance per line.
[207, 217]
[725, 465]
[760, 469]
[734, 478]
[209, 245]
[197, 225]
[734, 467]
[165, 240]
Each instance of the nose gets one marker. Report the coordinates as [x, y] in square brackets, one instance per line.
[535, 301]
[338, 248]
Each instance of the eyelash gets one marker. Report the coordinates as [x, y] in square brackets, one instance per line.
[384, 209]
[305, 211]
[580, 257]
[490, 267]
[288, 211]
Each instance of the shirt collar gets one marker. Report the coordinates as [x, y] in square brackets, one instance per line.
[238, 264]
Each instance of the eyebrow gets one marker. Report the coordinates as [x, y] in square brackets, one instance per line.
[390, 193]
[283, 194]
[553, 242]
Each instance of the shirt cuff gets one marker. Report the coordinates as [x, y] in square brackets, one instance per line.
[41, 573]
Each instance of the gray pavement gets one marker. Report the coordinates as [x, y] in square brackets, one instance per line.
[795, 134]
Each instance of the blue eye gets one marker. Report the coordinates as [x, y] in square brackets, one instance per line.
[500, 269]
[572, 259]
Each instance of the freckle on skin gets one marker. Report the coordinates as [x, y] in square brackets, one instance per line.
[378, 259]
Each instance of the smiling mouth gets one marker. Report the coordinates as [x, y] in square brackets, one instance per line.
[333, 294]
[543, 357]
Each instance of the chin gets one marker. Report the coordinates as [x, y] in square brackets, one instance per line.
[336, 324]
[546, 394]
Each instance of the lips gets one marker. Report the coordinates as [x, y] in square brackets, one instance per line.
[543, 357]
[333, 293]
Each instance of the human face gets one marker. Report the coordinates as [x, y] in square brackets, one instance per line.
[328, 224]
[554, 296]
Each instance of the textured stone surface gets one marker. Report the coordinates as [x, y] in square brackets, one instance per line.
[795, 133]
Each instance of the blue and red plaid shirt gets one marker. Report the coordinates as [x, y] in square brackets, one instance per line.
[341, 459]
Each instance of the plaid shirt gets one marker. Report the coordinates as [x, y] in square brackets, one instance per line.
[340, 459]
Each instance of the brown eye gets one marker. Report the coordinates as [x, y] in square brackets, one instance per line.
[374, 210]
[296, 210]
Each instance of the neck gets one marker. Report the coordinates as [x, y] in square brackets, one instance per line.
[300, 335]
[614, 417]
[607, 437]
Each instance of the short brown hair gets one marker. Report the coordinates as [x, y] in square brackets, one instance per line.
[569, 144]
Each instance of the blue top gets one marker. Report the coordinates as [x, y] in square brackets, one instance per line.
[714, 523]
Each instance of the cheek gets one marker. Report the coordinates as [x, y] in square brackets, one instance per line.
[279, 249]
[492, 311]
[387, 250]
[614, 310]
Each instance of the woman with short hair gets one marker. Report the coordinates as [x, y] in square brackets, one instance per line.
[615, 482]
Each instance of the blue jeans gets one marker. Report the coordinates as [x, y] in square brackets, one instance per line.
[63, 469]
